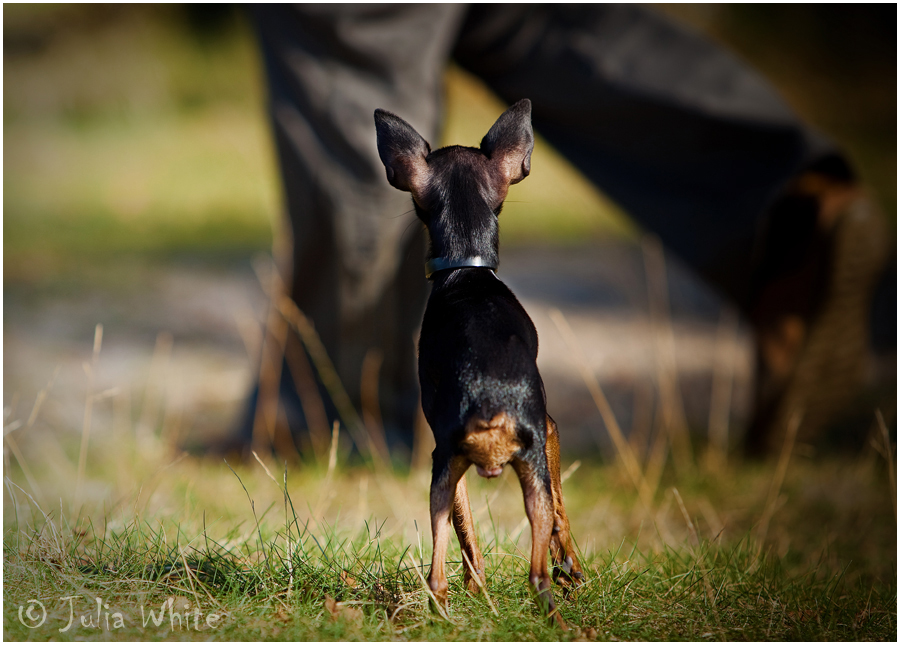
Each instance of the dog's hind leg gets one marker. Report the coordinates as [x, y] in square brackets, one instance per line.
[539, 509]
[468, 542]
[566, 570]
[446, 474]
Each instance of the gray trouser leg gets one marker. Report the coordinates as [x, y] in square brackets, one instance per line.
[357, 246]
[692, 143]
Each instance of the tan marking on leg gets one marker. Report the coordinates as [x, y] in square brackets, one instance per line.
[442, 496]
[539, 509]
[468, 542]
[562, 549]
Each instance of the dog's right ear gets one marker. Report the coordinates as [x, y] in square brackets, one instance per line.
[509, 142]
[402, 151]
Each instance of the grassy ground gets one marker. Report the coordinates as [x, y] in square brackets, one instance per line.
[799, 550]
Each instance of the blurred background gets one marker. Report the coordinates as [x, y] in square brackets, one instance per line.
[140, 193]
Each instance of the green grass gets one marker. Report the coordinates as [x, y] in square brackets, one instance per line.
[301, 552]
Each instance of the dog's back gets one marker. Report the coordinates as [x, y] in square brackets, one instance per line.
[477, 362]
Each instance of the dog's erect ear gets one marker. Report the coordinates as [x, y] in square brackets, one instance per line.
[510, 141]
[402, 151]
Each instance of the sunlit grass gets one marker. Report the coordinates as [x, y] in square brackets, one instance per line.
[306, 550]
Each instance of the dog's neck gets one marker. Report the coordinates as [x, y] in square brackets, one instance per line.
[463, 227]
[434, 265]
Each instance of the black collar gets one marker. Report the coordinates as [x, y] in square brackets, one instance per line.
[439, 264]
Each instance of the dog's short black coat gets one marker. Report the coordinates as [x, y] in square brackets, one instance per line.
[478, 356]
[482, 393]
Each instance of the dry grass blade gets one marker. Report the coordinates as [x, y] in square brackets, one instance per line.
[332, 453]
[57, 543]
[687, 518]
[262, 545]
[33, 501]
[288, 311]
[612, 425]
[274, 343]
[327, 493]
[98, 341]
[332, 382]
[480, 584]
[570, 471]
[40, 398]
[695, 539]
[17, 453]
[889, 457]
[279, 348]
[152, 400]
[371, 409]
[265, 420]
[288, 535]
[310, 398]
[436, 604]
[780, 470]
[191, 575]
[265, 468]
[90, 369]
[722, 387]
[715, 523]
[667, 371]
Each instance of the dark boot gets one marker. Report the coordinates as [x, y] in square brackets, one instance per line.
[826, 249]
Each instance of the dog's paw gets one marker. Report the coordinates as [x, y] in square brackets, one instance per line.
[568, 575]
[474, 586]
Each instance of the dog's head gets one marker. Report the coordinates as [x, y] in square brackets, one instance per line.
[458, 191]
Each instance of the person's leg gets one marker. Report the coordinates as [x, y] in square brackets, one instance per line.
[697, 148]
[357, 249]
[688, 140]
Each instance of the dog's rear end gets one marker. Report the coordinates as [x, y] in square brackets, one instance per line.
[490, 445]
[481, 391]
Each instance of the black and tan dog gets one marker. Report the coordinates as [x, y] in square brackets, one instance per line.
[481, 390]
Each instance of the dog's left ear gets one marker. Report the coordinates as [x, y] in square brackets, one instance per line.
[402, 151]
[510, 141]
